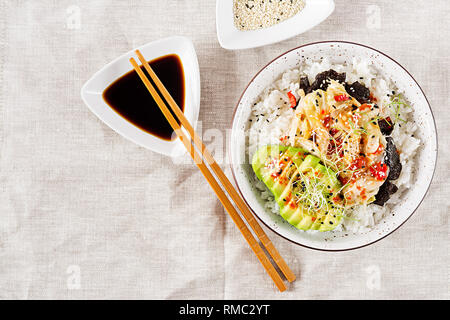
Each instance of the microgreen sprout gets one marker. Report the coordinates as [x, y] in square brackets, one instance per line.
[396, 104]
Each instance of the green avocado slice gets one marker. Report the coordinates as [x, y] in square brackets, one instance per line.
[306, 191]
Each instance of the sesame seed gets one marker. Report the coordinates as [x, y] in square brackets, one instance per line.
[257, 14]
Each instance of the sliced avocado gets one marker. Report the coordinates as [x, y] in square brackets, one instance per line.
[286, 212]
[305, 190]
[330, 182]
[296, 216]
[316, 224]
[273, 165]
[306, 223]
[332, 220]
[262, 157]
[292, 215]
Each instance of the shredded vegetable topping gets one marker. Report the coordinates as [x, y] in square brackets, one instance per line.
[345, 135]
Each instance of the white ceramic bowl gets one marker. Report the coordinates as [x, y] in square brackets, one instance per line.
[336, 52]
[93, 89]
[231, 38]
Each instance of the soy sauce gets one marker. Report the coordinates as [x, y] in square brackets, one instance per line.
[129, 97]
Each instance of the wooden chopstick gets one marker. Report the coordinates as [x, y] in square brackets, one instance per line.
[280, 262]
[213, 183]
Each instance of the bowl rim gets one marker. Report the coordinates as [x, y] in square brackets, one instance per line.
[435, 136]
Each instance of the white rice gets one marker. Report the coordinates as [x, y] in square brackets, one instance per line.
[271, 116]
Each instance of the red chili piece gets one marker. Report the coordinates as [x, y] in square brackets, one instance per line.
[379, 171]
[341, 97]
[292, 99]
[358, 163]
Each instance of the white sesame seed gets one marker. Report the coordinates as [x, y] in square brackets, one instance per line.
[258, 14]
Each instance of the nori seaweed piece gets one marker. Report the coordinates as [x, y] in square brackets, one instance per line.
[304, 84]
[392, 159]
[358, 91]
[322, 80]
[386, 126]
[384, 194]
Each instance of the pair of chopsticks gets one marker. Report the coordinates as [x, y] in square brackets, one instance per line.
[239, 202]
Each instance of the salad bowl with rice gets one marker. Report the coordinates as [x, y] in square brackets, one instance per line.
[333, 145]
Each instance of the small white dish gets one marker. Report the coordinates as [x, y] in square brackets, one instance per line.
[314, 12]
[92, 92]
[336, 52]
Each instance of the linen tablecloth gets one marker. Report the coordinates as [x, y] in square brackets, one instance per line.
[85, 213]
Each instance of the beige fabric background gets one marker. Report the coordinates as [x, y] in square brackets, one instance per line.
[79, 202]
